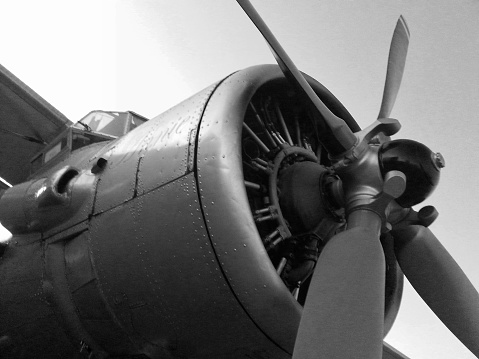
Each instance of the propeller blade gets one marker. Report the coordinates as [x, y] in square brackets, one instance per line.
[343, 138]
[440, 282]
[396, 64]
[343, 316]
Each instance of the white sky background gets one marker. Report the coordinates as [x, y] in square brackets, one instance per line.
[148, 55]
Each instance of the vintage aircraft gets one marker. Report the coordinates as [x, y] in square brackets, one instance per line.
[203, 232]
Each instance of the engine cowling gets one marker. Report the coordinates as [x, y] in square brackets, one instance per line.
[184, 244]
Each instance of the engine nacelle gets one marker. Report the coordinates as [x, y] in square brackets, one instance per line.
[177, 246]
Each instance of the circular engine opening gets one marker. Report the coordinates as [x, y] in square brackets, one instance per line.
[294, 196]
[286, 174]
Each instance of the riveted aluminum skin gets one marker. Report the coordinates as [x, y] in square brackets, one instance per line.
[229, 221]
[29, 326]
[162, 252]
[158, 255]
[132, 272]
[134, 159]
[177, 302]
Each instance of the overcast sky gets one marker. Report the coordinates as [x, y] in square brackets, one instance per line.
[148, 55]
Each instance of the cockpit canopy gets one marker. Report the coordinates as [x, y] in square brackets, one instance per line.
[110, 123]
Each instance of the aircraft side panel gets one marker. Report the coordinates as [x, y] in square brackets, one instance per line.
[158, 273]
[170, 153]
[29, 322]
[75, 292]
[134, 166]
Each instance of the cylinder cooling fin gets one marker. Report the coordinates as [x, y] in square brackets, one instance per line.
[285, 183]
[274, 202]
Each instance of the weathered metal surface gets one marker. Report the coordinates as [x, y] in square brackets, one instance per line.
[59, 199]
[170, 152]
[57, 289]
[29, 326]
[176, 294]
[12, 214]
[236, 242]
[151, 155]
[117, 183]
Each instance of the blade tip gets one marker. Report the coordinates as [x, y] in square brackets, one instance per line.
[402, 21]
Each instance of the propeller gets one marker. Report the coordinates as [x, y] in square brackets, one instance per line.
[395, 69]
[337, 137]
[343, 316]
[440, 282]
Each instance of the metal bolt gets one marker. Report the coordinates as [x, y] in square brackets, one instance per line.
[439, 161]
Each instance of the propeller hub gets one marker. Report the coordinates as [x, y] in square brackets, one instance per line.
[304, 195]
[420, 165]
